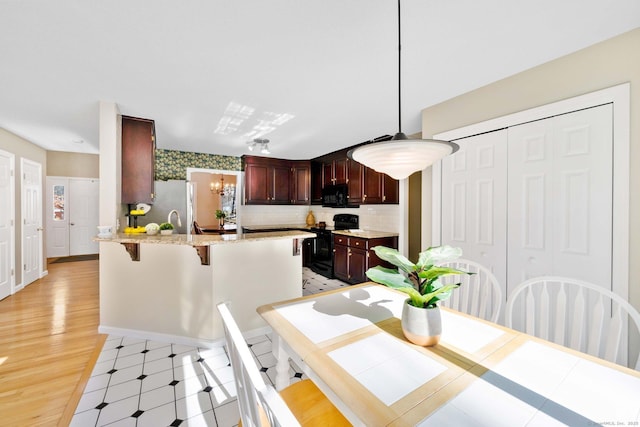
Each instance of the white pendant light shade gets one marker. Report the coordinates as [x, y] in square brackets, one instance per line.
[401, 158]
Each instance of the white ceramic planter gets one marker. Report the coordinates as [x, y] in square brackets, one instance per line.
[421, 326]
[166, 232]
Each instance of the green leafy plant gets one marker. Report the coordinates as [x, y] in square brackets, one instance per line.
[166, 226]
[419, 280]
[220, 214]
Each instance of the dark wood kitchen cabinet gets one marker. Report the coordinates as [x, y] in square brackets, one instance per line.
[267, 181]
[379, 188]
[316, 182]
[138, 160]
[353, 256]
[271, 181]
[300, 182]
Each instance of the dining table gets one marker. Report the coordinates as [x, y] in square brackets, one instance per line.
[350, 343]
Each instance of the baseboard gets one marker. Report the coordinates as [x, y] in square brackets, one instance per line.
[176, 339]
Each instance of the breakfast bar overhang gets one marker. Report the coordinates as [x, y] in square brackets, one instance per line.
[167, 287]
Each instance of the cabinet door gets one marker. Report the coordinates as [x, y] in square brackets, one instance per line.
[138, 158]
[340, 262]
[328, 177]
[340, 168]
[280, 184]
[256, 190]
[390, 190]
[317, 182]
[301, 183]
[357, 265]
[372, 186]
[354, 181]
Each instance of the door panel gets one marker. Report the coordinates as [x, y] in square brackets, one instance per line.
[57, 223]
[7, 244]
[83, 216]
[474, 200]
[31, 220]
[560, 197]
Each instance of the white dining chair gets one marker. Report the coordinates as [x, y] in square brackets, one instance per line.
[479, 294]
[575, 314]
[300, 404]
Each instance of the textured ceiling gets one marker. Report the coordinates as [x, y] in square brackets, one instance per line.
[311, 76]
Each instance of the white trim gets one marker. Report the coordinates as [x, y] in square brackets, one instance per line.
[177, 339]
[238, 175]
[620, 97]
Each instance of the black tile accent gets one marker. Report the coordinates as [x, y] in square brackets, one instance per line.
[298, 375]
[263, 369]
[200, 360]
[113, 371]
[174, 383]
[207, 389]
[176, 422]
[144, 351]
[102, 405]
[141, 377]
[137, 413]
[119, 347]
[172, 355]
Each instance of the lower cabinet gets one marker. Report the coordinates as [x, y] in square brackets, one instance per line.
[353, 256]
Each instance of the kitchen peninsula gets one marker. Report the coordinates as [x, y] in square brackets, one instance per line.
[167, 287]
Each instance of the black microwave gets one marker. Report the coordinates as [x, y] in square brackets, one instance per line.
[335, 196]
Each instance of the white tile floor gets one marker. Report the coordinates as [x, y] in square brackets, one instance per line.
[146, 383]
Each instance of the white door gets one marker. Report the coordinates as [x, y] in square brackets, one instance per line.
[7, 212]
[474, 197]
[31, 221]
[57, 223]
[83, 216]
[560, 197]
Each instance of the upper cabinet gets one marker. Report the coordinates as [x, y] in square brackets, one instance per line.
[365, 185]
[271, 181]
[138, 160]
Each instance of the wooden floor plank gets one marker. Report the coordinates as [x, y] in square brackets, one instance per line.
[49, 343]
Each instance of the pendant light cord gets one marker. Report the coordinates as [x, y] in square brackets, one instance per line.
[399, 75]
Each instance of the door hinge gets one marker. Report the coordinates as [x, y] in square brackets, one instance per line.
[25, 267]
[12, 272]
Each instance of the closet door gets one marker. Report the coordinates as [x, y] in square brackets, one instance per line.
[57, 217]
[474, 201]
[560, 197]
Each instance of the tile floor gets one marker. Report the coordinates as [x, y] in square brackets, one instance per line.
[146, 383]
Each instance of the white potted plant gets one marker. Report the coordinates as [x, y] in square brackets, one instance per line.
[166, 228]
[421, 318]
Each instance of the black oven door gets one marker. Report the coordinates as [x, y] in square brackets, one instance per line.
[322, 254]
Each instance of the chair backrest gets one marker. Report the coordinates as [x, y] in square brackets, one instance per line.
[575, 314]
[479, 294]
[197, 228]
[256, 399]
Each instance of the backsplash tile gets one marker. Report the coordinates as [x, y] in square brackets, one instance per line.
[372, 217]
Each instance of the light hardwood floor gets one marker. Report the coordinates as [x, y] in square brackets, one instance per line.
[49, 342]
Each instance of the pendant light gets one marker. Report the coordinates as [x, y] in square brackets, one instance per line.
[401, 156]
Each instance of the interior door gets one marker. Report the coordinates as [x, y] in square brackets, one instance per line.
[560, 197]
[474, 201]
[7, 244]
[83, 216]
[57, 222]
[31, 220]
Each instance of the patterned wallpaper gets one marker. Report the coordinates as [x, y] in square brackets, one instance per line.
[171, 164]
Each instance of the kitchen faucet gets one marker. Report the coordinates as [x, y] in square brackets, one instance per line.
[177, 215]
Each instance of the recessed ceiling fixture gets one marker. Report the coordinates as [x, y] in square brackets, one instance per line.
[401, 156]
[264, 145]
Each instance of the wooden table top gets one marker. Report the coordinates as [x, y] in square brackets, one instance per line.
[351, 341]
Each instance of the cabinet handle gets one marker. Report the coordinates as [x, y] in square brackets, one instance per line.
[364, 197]
[384, 198]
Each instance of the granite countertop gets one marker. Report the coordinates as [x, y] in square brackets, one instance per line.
[278, 227]
[203, 239]
[365, 234]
